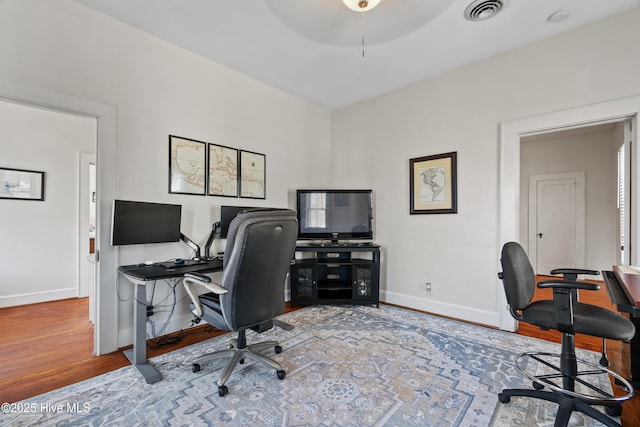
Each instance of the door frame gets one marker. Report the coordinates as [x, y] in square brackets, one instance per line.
[106, 327]
[579, 177]
[509, 179]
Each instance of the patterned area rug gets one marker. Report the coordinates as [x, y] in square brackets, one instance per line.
[346, 366]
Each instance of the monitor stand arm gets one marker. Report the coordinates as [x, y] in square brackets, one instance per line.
[214, 230]
[192, 245]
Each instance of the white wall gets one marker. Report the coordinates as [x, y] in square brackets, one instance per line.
[461, 111]
[160, 89]
[39, 245]
[594, 153]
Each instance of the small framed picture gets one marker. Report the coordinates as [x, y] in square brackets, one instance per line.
[187, 166]
[252, 175]
[433, 184]
[21, 184]
[223, 171]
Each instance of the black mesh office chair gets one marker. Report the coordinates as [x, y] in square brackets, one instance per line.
[249, 292]
[569, 316]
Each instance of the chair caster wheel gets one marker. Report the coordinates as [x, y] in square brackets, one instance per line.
[281, 374]
[537, 386]
[613, 411]
[278, 349]
[195, 367]
[503, 399]
[222, 390]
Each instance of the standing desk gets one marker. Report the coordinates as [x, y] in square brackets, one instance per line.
[140, 275]
[623, 285]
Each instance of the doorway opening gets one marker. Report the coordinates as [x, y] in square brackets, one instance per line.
[511, 134]
[106, 326]
[568, 207]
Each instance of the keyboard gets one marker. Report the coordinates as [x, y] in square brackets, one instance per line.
[184, 263]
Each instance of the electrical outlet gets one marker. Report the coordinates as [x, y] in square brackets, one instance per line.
[427, 287]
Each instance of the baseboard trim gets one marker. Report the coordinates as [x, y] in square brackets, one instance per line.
[36, 297]
[465, 314]
[458, 312]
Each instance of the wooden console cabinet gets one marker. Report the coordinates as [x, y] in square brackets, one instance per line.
[342, 273]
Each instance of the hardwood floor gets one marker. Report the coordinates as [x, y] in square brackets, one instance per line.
[49, 345]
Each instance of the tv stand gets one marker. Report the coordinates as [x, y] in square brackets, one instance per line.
[336, 273]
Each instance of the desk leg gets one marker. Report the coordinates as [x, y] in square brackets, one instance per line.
[138, 354]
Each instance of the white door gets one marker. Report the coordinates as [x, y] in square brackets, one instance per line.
[557, 221]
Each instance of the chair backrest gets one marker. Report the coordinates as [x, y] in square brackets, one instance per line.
[518, 278]
[259, 250]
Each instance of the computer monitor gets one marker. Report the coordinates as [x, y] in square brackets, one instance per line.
[136, 223]
[227, 214]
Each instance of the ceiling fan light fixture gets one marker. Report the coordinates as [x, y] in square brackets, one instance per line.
[361, 5]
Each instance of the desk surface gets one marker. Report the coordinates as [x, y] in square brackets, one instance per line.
[158, 272]
[630, 282]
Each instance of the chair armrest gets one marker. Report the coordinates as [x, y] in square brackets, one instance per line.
[564, 296]
[572, 273]
[198, 276]
[193, 279]
[568, 284]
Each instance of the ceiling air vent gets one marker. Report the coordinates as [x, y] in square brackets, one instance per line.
[479, 10]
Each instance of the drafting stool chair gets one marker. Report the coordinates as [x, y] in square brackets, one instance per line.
[572, 274]
[250, 292]
[568, 316]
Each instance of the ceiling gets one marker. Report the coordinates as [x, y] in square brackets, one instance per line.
[313, 49]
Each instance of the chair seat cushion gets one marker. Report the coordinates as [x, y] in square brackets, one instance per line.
[588, 319]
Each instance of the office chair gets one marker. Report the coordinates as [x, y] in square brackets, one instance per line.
[249, 292]
[572, 274]
[568, 316]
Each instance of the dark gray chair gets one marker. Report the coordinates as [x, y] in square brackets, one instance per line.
[568, 316]
[249, 292]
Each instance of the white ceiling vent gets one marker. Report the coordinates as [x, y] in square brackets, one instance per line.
[479, 10]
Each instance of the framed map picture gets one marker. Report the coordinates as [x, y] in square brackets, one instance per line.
[223, 171]
[187, 166]
[21, 184]
[252, 175]
[432, 183]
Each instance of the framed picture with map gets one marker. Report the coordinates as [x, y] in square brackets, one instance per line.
[223, 171]
[433, 184]
[252, 175]
[187, 166]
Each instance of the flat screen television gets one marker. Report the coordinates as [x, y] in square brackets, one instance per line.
[335, 214]
[136, 223]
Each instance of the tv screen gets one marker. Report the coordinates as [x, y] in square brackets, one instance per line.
[136, 223]
[335, 214]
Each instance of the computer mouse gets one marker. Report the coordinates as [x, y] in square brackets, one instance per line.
[178, 261]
